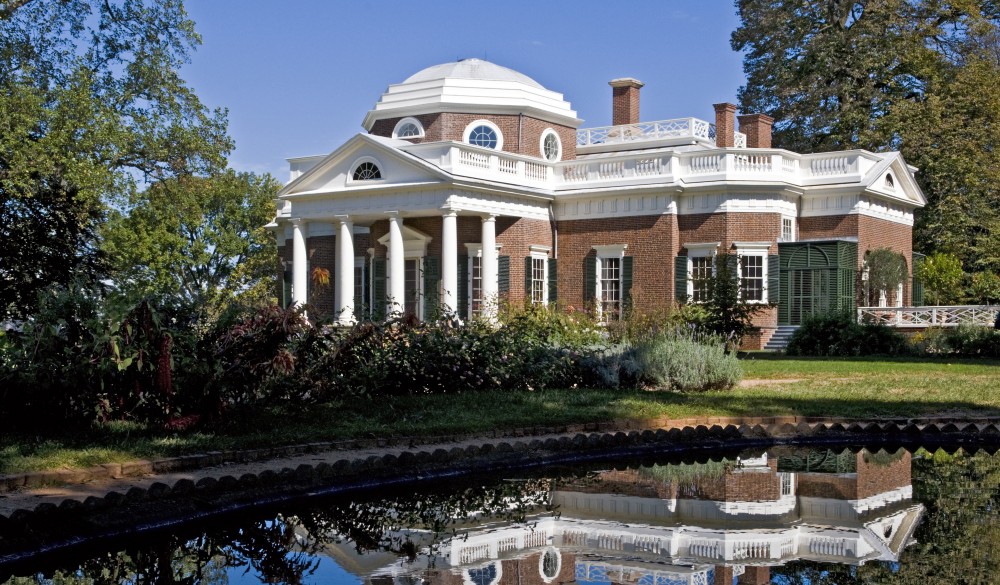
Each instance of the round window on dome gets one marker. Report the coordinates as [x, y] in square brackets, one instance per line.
[551, 146]
[485, 134]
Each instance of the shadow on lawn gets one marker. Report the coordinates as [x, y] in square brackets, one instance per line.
[772, 356]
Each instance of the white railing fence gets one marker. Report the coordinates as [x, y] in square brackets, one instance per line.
[661, 129]
[938, 316]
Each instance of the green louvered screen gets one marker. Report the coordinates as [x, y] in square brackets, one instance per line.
[626, 282]
[681, 279]
[815, 278]
[463, 287]
[589, 279]
[432, 284]
[503, 275]
[553, 282]
[378, 289]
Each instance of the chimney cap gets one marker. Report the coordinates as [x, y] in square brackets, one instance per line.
[626, 82]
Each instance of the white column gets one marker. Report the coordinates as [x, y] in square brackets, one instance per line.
[397, 257]
[491, 290]
[344, 297]
[300, 264]
[449, 263]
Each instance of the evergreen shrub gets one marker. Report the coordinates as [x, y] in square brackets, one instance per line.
[839, 334]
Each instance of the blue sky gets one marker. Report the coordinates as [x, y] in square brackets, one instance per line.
[298, 76]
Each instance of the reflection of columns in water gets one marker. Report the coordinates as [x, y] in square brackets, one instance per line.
[344, 292]
[397, 263]
[489, 267]
[300, 265]
[449, 262]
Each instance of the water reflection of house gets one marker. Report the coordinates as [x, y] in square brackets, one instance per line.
[716, 522]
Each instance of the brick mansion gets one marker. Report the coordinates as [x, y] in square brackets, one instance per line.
[473, 182]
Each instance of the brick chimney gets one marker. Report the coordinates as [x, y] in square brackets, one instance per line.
[625, 100]
[725, 125]
[757, 127]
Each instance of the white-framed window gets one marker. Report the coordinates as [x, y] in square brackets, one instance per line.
[365, 168]
[475, 279]
[752, 270]
[787, 229]
[701, 268]
[408, 128]
[360, 286]
[483, 133]
[550, 146]
[539, 278]
[609, 281]
[413, 286]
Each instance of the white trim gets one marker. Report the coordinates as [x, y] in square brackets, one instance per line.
[699, 250]
[414, 243]
[693, 247]
[408, 120]
[467, 580]
[757, 250]
[541, 145]
[483, 122]
[536, 253]
[608, 252]
[541, 564]
[611, 250]
[541, 249]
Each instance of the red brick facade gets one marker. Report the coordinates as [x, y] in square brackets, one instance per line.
[725, 125]
[625, 101]
[521, 134]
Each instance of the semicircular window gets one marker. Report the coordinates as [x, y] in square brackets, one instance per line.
[367, 171]
[408, 130]
[484, 136]
[484, 575]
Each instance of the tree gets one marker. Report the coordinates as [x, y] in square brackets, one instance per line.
[918, 76]
[200, 240]
[91, 107]
[728, 313]
[941, 275]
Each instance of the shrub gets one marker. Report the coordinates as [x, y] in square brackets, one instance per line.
[839, 334]
[613, 367]
[683, 360]
[941, 275]
[968, 341]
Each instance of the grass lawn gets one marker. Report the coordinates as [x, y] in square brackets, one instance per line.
[773, 385]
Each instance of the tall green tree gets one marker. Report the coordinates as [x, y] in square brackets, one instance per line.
[918, 76]
[92, 106]
[200, 240]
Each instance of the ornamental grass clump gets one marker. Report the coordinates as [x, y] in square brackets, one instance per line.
[683, 359]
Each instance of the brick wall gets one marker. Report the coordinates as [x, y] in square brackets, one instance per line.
[876, 479]
[652, 242]
[728, 228]
[451, 126]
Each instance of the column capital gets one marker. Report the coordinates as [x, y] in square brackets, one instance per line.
[393, 214]
[450, 212]
[342, 219]
[489, 217]
[298, 221]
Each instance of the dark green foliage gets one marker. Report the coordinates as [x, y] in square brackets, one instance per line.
[884, 270]
[839, 334]
[966, 341]
[729, 315]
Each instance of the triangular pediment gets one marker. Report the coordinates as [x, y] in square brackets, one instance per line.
[894, 179]
[336, 171]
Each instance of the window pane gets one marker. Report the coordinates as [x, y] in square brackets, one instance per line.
[610, 288]
[701, 272]
[752, 278]
[538, 283]
[411, 278]
[476, 290]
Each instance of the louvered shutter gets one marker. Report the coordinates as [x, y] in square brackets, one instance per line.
[553, 282]
[774, 279]
[463, 287]
[432, 282]
[378, 289]
[626, 282]
[681, 279]
[527, 279]
[286, 289]
[589, 279]
[503, 275]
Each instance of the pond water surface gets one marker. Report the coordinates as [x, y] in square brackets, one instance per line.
[782, 515]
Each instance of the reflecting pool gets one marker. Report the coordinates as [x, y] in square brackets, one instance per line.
[783, 515]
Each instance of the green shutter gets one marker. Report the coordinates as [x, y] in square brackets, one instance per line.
[359, 300]
[626, 282]
[503, 275]
[286, 289]
[463, 287]
[917, 287]
[378, 289]
[432, 281]
[553, 282]
[681, 279]
[527, 279]
[589, 279]
[774, 279]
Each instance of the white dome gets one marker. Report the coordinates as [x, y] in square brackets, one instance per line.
[471, 86]
[471, 69]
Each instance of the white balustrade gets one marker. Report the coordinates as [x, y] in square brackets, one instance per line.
[536, 538]
[709, 549]
[831, 547]
[831, 165]
[705, 164]
[739, 140]
[752, 163]
[644, 131]
[471, 554]
[937, 316]
[751, 550]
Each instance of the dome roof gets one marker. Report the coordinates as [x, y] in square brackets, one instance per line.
[471, 86]
[471, 69]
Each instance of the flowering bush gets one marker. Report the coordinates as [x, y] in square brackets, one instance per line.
[683, 359]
